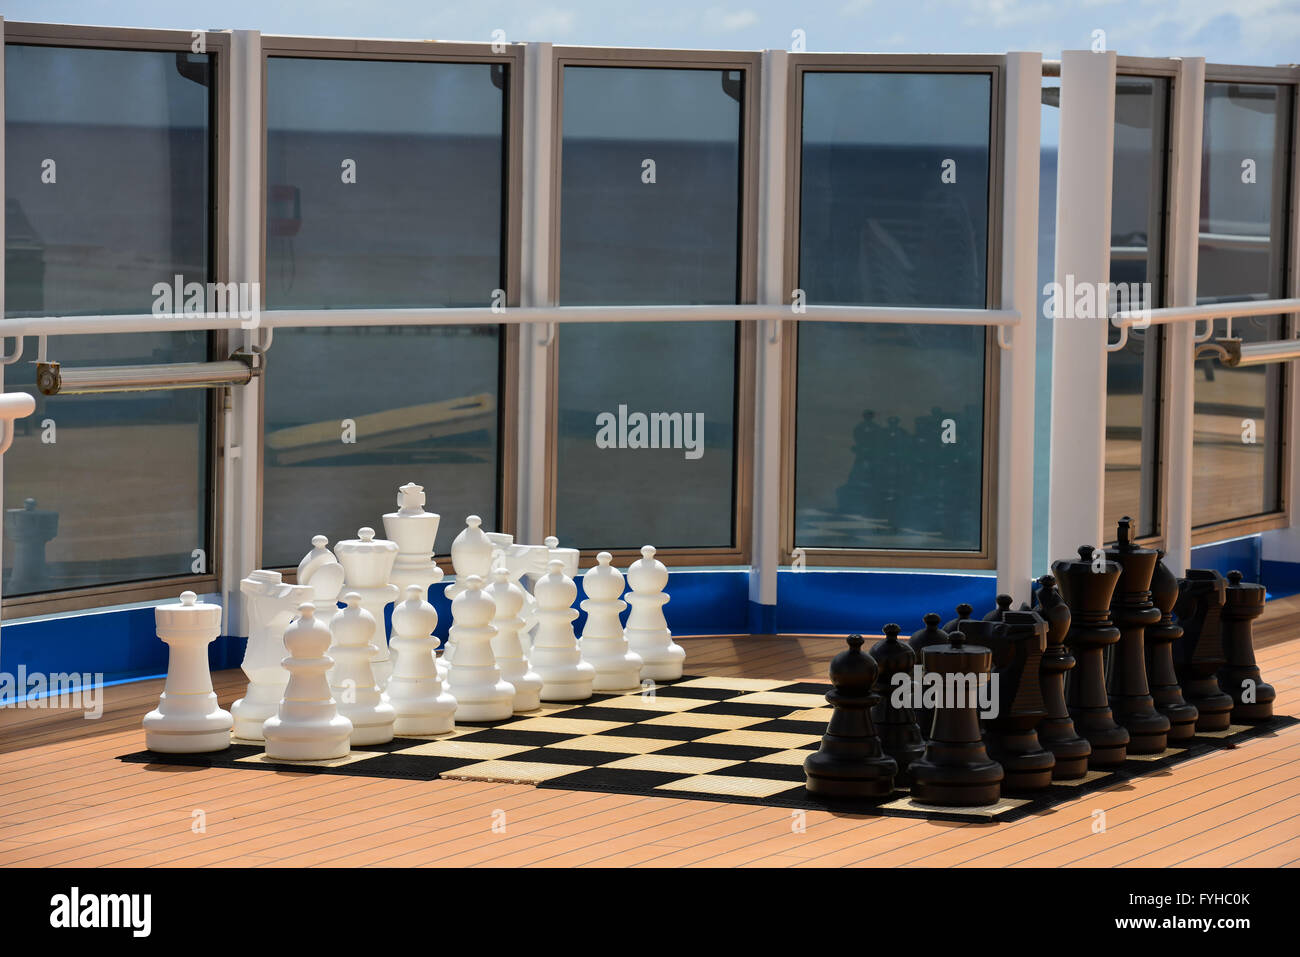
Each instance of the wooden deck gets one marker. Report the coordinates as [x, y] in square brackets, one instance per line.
[66, 801]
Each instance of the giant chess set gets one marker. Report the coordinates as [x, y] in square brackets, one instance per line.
[1118, 668]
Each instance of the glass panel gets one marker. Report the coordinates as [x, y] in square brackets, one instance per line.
[107, 181]
[1137, 277]
[894, 211]
[1242, 256]
[659, 232]
[351, 414]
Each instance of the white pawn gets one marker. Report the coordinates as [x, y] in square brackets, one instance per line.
[415, 690]
[271, 604]
[603, 643]
[308, 726]
[188, 719]
[368, 562]
[321, 570]
[352, 680]
[565, 676]
[647, 629]
[471, 554]
[507, 646]
[480, 691]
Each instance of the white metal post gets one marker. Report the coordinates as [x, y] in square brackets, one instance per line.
[241, 501]
[535, 338]
[1183, 240]
[1015, 516]
[2, 292]
[1083, 197]
[766, 554]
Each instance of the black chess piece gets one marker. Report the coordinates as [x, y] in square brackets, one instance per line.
[956, 770]
[1160, 637]
[964, 611]
[931, 634]
[1132, 611]
[1198, 654]
[1252, 699]
[1056, 732]
[895, 720]
[851, 762]
[1011, 730]
[1003, 606]
[1087, 585]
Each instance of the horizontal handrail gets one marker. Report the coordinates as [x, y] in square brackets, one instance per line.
[483, 315]
[1209, 310]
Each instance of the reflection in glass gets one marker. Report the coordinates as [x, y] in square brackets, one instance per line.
[894, 211]
[106, 178]
[1136, 259]
[384, 183]
[351, 414]
[666, 232]
[1242, 255]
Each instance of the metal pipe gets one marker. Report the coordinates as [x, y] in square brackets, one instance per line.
[1209, 310]
[320, 318]
[52, 379]
[1259, 353]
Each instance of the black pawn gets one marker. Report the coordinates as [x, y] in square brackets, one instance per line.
[1198, 655]
[964, 611]
[1252, 699]
[1160, 637]
[895, 721]
[1133, 613]
[1056, 732]
[1000, 612]
[931, 634]
[955, 770]
[850, 762]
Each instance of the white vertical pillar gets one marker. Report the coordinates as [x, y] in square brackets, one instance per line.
[766, 541]
[1183, 242]
[241, 499]
[2, 279]
[532, 473]
[1015, 514]
[1083, 197]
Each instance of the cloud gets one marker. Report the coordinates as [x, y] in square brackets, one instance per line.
[550, 22]
[726, 21]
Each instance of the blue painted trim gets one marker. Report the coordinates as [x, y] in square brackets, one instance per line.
[761, 619]
[1236, 554]
[817, 602]
[1281, 578]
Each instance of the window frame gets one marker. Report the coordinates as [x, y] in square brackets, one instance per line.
[218, 47]
[750, 63]
[984, 558]
[337, 48]
[1280, 517]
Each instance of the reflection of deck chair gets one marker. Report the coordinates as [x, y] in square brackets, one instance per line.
[893, 232]
[382, 430]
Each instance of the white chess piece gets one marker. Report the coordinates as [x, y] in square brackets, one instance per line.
[352, 680]
[321, 570]
[414, 530]
[271, 603]
[556, 658]
[308, 726]
[471, 554]
[507, 646]
[647, 629]
[521, 561]
[368, 563]
[188, 719]
[603, 642]
[415, 690]
[480, 691]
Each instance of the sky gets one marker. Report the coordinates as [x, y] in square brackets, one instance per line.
[1258, 32]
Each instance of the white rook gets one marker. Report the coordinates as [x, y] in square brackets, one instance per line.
[188, 719]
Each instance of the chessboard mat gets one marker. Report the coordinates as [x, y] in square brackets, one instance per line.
[736, 740]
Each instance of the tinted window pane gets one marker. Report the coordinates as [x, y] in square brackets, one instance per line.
[423, 407]
[384, 183]
[894, 211]
[633, 232]
[1137, 272]
[1242, 255]
[107, 178]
